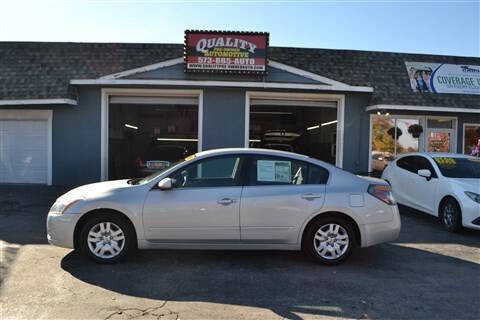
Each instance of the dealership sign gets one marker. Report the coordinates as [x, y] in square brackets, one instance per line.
[232, 52]
[443, 78]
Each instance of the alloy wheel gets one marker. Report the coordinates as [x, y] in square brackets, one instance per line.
[331, 241]
[449, 215]
[106, 240]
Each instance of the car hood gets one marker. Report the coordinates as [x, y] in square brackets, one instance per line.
[95, 190]
[467, 184]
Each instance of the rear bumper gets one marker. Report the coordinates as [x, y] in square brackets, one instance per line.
[375, 233]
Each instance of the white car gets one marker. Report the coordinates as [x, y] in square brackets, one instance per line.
[445, 185]
[229, 199]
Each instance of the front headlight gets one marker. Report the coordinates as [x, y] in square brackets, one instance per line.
[474, 196]
[59, 208]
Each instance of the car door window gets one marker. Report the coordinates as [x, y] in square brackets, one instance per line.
[424, 163]
[208, 173]
[407, 163]
[266, 170]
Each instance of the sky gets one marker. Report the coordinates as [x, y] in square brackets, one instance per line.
[435, 27]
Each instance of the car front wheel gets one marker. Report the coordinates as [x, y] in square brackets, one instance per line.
[329, 240]
[450, 215]
[106, 238]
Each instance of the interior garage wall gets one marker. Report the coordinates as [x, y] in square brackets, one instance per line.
[223, 118]
[76, 140]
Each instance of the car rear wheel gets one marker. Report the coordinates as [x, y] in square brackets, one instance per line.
[106, 238]
[329, 240]
[450, 215]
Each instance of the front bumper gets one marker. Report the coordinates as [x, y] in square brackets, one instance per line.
[471, 216]
[60, 229]
[375, 233]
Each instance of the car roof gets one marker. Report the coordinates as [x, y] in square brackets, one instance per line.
[436, 155]
[253, 150]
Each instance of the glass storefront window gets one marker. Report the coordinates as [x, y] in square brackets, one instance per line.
[439, 141]
[308, 130]
[383, 145]
[145, 138]
[395, 135]
[391, 137]
[471, 135]
[440, 123]
[408, 141]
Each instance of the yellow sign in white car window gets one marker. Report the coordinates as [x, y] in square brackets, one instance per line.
[445, 161]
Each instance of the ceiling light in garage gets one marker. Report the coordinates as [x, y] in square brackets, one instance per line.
[130, 126]
[329, 123]
[323, 125]
[175, 139]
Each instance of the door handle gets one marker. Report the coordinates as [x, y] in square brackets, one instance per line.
[311, 196]
[225, 201]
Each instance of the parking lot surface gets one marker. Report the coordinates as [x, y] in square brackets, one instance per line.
[427, 273]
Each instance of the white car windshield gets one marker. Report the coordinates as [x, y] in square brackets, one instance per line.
[452, 167]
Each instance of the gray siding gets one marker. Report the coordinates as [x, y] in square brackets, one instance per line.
[223, 118]
[76, 140]
[356, 133]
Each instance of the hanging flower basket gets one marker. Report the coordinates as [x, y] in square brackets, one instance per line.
[415, 130]
[391, 132]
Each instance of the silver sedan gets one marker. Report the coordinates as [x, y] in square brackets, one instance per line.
[245, 199]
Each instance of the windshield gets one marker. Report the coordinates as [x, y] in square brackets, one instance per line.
[459, 167]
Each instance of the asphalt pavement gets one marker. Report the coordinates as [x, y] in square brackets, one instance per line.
[426, 274]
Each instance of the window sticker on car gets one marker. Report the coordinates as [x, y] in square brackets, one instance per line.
[445, 161]
[274, 171]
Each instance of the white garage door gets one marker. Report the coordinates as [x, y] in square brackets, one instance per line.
[24, 150]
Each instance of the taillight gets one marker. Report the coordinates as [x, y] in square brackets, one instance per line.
[382, 192]
[140, 163]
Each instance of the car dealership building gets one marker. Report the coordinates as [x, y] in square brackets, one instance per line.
[74, 113]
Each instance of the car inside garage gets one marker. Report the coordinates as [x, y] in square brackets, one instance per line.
[306, 127]
[147, 134]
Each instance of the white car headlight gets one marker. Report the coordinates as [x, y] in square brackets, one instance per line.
[474, 196]
[59, 208]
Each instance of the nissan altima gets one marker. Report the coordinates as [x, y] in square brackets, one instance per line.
[245, 199]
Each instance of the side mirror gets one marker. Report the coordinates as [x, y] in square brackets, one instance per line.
[425, 173]
[165, 184]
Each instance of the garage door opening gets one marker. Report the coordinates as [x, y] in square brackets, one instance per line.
[305, 127]
[148, 134]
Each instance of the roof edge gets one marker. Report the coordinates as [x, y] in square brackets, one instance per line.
[419, 108]
[209, 83]
[19, 102]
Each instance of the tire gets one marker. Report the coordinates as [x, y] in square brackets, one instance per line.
[114, 241]
[334, 249]
[450, 215]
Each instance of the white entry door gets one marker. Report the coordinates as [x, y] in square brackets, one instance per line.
[24, 150]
